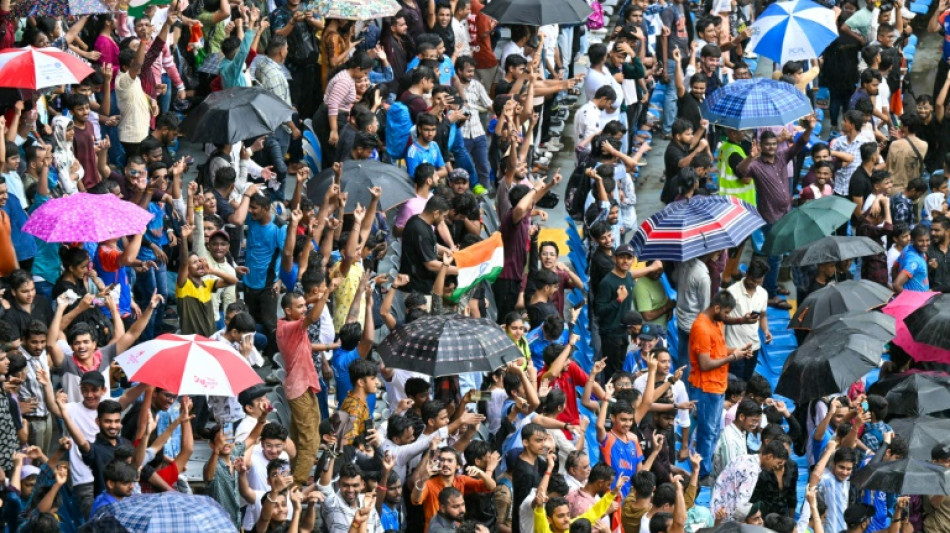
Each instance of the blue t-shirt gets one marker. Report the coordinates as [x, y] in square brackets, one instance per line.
[46, 263]
[914, 264]
[289, 279]
[23, 243]
[537, 343]
[154, 232]
[418, 155]
[389, 518]
[817, 448]
[264, 244]
[624, 457]
[446, 70]
[103, 499]
[341, 373]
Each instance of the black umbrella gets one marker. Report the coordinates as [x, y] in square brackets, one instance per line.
[446, 345]
[358, 177]
[833, 249]
[827, 364]
[840, 298]
[931, 323]
[906, 476]
[735, 527]
[922, 434]
[877, 325]
[236, 114]
[919, 394]
[538, 12]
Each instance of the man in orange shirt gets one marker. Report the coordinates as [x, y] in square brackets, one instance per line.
[8, 259]
[709, 359]
[442, 473]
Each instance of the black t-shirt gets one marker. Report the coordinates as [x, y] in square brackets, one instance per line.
[419, 247]
[538, 311]
[688, 108]
[671, 158]
[503, 87]
[934, 133]
[600, 264]
[524, 477]
[860, 184]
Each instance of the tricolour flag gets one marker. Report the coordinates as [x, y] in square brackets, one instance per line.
[137, 7]
[479, 262]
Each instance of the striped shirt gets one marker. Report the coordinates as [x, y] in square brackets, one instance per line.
[340, 94]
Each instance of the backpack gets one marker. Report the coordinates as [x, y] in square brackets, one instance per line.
[399, 129]
[578, 186]
[801, 414]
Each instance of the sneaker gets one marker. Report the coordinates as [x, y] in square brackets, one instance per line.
[479, 190]
[272, 378]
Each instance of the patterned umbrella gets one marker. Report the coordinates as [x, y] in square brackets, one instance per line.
[59, 8]
[168, 512]
[356, 9]
[904, 304]
[445, 345]
[756, 103]
[793, 31]
[695, 227]
[84, 217]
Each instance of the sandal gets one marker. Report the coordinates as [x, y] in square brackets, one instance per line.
[783, 291]
[779, 303]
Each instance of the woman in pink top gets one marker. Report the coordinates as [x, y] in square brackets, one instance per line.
[337, 101]
[104, 26]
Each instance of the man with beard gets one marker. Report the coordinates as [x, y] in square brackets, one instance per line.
[443, 473]
[341, 507]
[451, 511]
[399, 46]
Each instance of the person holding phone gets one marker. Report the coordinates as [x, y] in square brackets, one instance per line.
[748, 317]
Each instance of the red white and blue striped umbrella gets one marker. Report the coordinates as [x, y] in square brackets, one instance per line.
[692, 228]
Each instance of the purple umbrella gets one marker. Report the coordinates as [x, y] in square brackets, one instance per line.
[86, 217]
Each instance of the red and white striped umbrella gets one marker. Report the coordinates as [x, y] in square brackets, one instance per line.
[189, 365]
[37, 68]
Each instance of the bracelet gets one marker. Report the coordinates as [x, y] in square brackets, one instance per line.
[418, 487]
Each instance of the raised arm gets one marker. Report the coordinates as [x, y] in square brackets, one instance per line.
[126, 341]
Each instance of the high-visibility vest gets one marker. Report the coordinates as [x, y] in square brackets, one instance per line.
[729, 183]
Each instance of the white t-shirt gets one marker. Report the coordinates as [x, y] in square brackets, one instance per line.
[595, 80]
[739, 335]
[892, 254]
[257, 470]
[85, 420]
[510, 48]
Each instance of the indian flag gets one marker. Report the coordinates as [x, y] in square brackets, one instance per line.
[137, 7]
[480, 262]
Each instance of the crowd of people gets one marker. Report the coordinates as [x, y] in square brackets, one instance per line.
[626, 409]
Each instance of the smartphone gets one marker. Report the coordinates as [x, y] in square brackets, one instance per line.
[864, 406]
[248, 336]
[228, 431]
[755, 314]
[480, 396]
[581, 303]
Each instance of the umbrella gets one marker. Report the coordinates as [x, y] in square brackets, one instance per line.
[931, 323]
[904, 304]
[236, 114]
[755, 103]
[59, 8]
[919, 394]
[357, 9]
[906, 476]
[793, 31]
[538, 12]
[922, 434]
[827, 364]
[167, 512]
[446, 345]
[358, 177]
[37, 68]
[695, 227]
[807, 224]
[877, 325]
[851, 295]
[833, 249]
[84, 217]
[189, 364]
[735, 527]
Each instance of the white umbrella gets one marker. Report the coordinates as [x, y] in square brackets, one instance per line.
[793, 31]
[38, 68]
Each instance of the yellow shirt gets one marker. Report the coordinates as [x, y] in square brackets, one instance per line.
[593, 514]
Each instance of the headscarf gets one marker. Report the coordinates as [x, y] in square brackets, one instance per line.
[63, 156]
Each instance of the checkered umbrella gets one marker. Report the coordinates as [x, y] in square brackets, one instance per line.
[756, 103]
[695, 227]
[168, 512]
[446, 345]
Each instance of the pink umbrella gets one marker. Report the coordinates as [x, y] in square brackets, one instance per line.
[86, 217]
[189, 365]
[904, 304]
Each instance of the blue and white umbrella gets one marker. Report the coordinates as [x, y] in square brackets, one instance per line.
[793, 31]
[755, 103]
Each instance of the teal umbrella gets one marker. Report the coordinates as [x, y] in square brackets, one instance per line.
[807, 224]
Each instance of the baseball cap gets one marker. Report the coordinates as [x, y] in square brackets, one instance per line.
[857, 513]
[651, 331]
[94, 378]
[940, 452]
[624, 249]
[459, 174]
[220, 233]
[249, 395]
[631, 318]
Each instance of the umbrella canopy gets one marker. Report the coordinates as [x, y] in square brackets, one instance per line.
[931, 323]
[904, 304]
[84, 217]
[357, 9]
[807, 224]
[236, 114]
[189, 364]
[922, 434]
[906, 476]
[538, 12]
[877, 325]
[357, 179]
[755, 103]
[695, 227]
[793, 31]
[60, 8]
[833, 249]
[828, 364]
[736, 527]
[445, 345]
[164, 512]
[844, 297]
[38, 68]
[919, 394]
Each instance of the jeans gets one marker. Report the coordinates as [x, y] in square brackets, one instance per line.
[165, 100]
[506, 296]
[305, 432]
[275, 148]
[669, 105]
[707, 426]
[837, 104]
[83, 493]
[462, 157]
[262, 305]
[41, 432]
[478, 150]
[682, 348]
[614, 348]
[152, 281]
[775, 262]
[744, 368]
[45, 288]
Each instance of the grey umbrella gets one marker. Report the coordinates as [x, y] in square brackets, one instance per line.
[358, 177]
[538, 12]
[840, 298]
[877, 325]
[236, 114]
[833, 249]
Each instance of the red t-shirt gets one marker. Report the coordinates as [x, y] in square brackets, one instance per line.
[84, 146]
[479, 31]
[571, 377]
